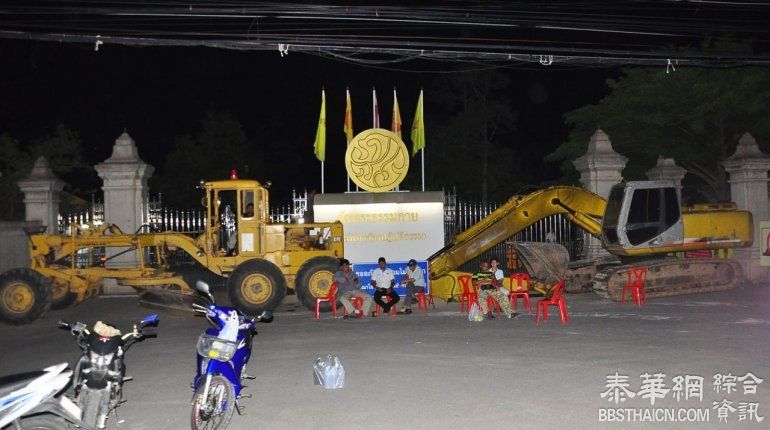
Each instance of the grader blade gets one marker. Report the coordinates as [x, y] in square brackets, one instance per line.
[169, 301]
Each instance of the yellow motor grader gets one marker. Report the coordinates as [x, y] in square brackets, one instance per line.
[261, 260]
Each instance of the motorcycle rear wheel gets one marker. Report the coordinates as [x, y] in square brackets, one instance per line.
[44, 422]
[216, 410]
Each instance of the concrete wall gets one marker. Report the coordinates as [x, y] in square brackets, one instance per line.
[14, 246]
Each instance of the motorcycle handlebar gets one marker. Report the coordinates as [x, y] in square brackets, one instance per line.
[135, 337]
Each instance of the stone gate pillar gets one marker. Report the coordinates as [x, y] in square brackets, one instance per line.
[42, 191]
[600, 168]
[666, 169]
[748, 168]
[126, 196]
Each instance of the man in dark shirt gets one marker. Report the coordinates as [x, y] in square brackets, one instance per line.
[486, 285]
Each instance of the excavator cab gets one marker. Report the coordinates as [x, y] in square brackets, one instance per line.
[642, 215]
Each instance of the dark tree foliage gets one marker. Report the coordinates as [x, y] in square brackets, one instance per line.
[468, 136]
[209, 154]
[63, 149]
[15, 164]
[693, 115]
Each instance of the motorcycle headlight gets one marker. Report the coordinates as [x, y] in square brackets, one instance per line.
[216, 348]
[99, 360]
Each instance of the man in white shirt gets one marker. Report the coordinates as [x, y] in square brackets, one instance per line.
[499, 276]
[414, 279]
[383, 280]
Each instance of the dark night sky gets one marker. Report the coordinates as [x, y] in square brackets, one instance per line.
[160, 93]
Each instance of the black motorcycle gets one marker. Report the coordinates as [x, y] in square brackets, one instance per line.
[100, 371]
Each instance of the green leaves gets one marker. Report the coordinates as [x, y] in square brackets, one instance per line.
[694, 115]
[469, 145]
[63, 149]
[209, 153]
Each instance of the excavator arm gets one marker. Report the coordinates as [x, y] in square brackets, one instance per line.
[576, 204]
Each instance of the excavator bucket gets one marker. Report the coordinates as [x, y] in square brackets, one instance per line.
[546, 263]
[169, 301]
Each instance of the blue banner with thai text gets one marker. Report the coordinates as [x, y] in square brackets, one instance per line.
[364, 272]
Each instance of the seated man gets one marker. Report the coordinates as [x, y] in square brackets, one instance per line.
[349, 286]
[383, 281]
[249, 213]
[414, 279]
[486, 285]
[498, 274]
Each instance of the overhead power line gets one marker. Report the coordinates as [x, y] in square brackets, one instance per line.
[554, 33]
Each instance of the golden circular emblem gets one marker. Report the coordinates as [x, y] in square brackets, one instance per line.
[377, 160]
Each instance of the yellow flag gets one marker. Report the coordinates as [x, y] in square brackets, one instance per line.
[418, 128]
[348, 129]
[395, 125]
[319, 146]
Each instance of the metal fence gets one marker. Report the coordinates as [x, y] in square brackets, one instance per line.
[161, 218]
[94, 215]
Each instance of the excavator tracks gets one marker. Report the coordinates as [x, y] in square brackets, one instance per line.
[671, 277]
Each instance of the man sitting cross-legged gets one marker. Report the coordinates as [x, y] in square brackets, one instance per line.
[486, 285]
[348, 286]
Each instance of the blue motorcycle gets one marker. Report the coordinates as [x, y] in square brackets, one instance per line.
[223, 352]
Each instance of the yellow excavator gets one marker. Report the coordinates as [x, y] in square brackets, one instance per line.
[642, 223]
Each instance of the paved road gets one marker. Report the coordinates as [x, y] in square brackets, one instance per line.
[438, 370]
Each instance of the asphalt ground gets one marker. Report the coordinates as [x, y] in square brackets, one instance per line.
[437, 370]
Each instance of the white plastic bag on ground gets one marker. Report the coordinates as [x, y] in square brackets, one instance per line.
[474, 314]
[328, 371]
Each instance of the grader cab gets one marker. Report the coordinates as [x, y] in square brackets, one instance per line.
[260, 260]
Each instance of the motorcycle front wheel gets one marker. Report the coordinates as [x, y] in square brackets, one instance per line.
[44, 422]
[216, 410]
[93, 403]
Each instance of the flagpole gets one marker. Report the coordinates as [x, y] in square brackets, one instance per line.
[347, 98]
[319, 146]
[422, 157]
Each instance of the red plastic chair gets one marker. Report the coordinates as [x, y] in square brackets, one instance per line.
[468, 295]
[636, 278]
[423, 300]
[519, 290]
[557, 299]
[358, 303]
[378, 308]
[331, 297]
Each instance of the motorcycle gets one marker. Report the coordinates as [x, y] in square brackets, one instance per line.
[223, 352]
[34, 400]
[100, 372]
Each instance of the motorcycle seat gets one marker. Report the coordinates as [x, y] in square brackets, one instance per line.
[9, 384]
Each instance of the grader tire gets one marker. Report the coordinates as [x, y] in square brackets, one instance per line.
[62, 297]
[256, 285]
[313, 281]
[25, 296]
